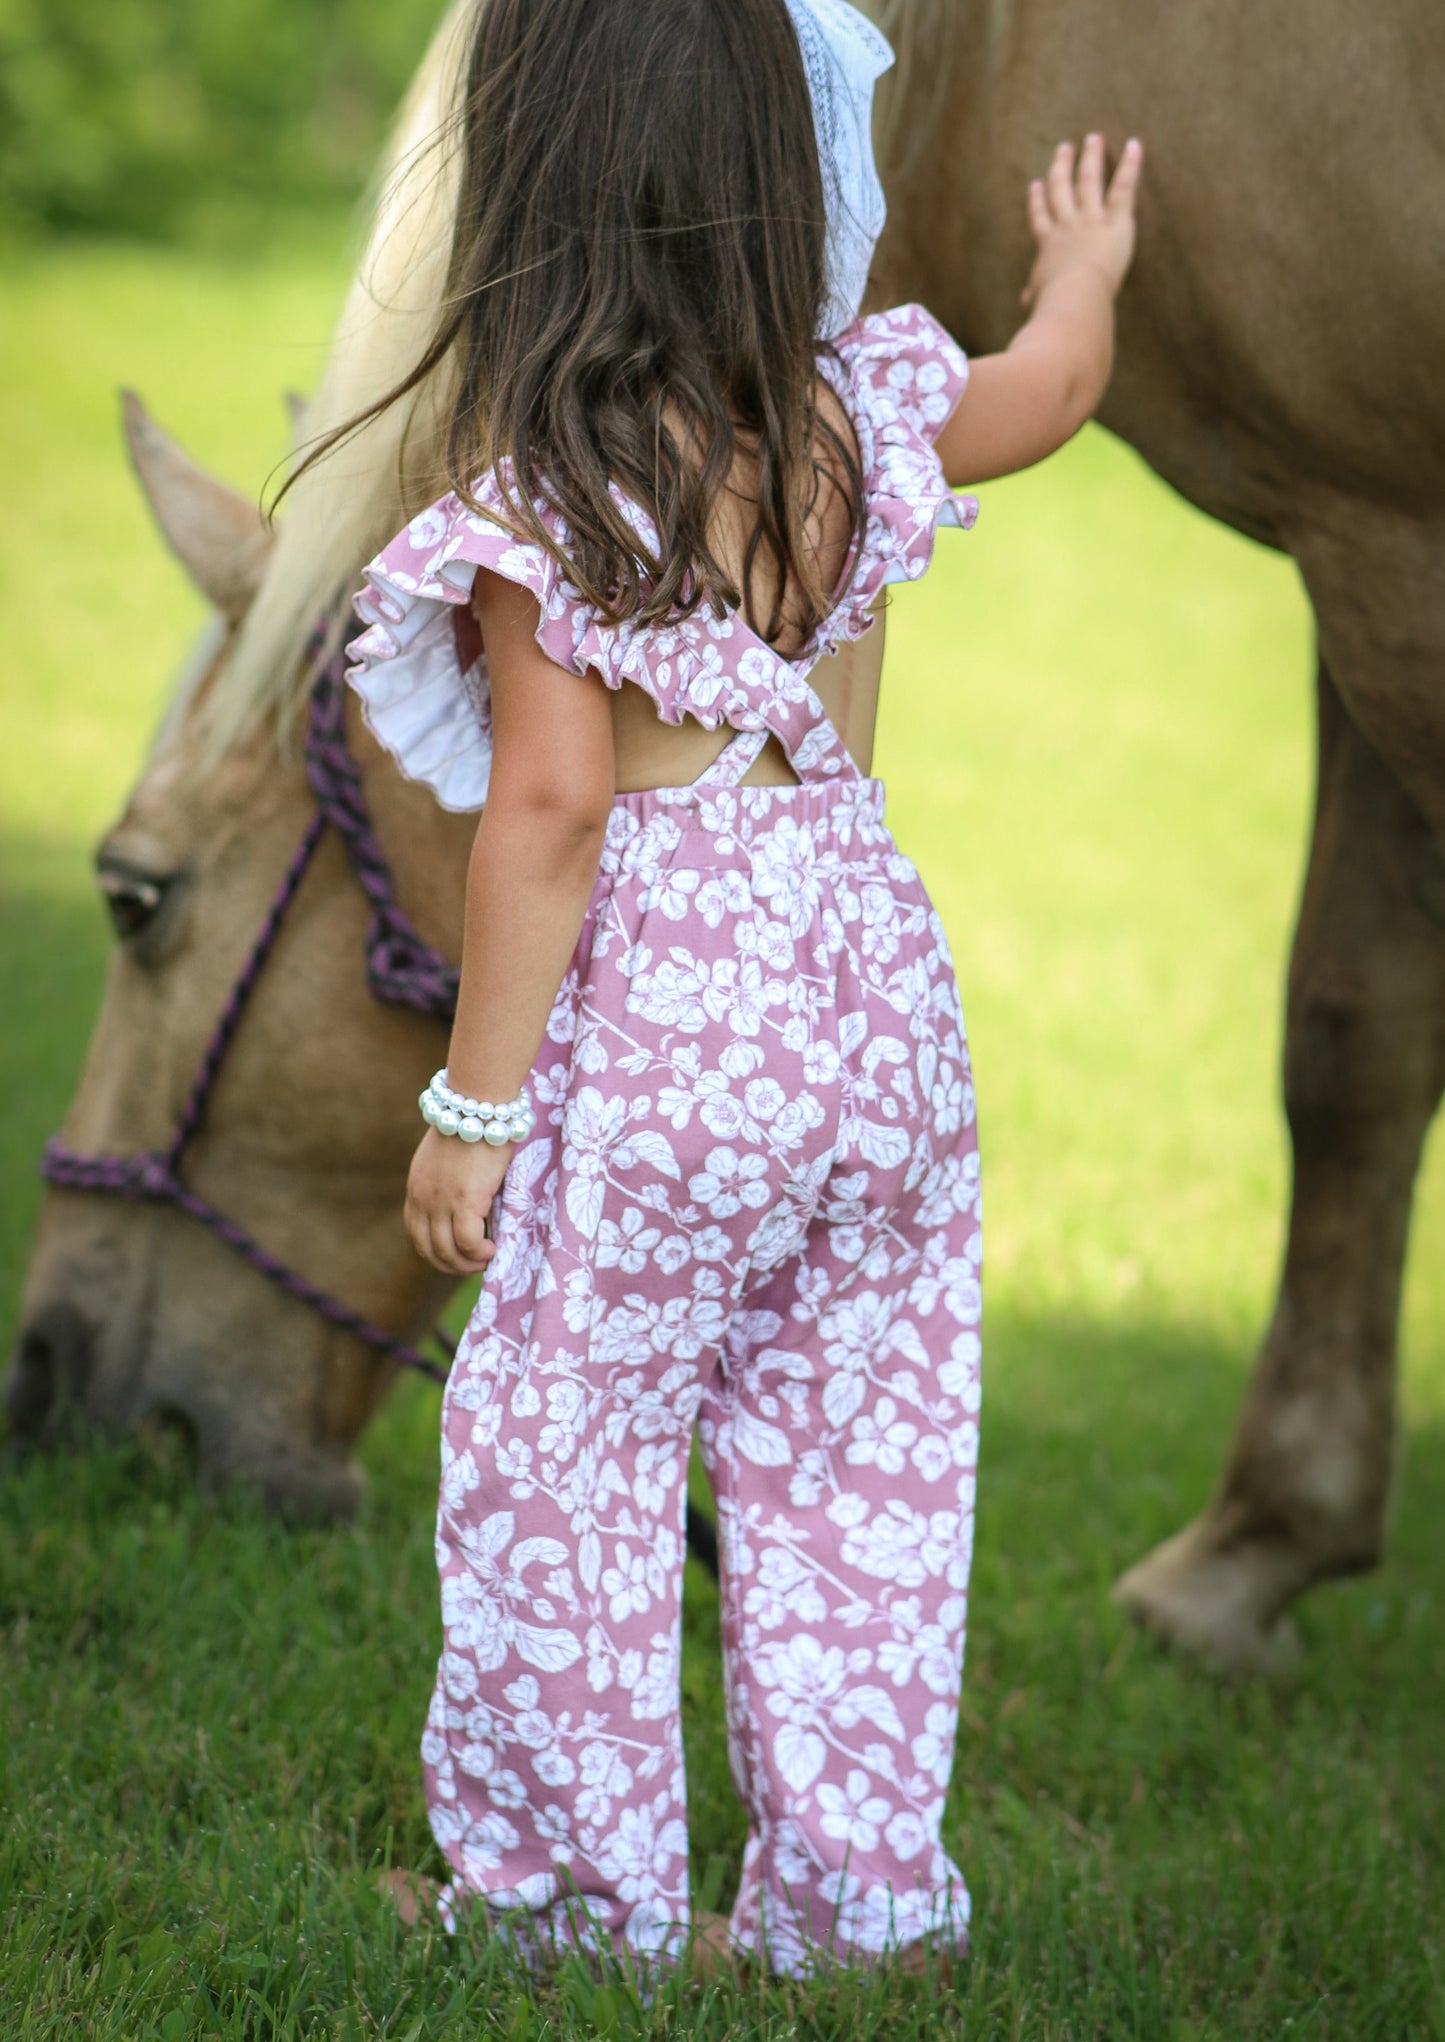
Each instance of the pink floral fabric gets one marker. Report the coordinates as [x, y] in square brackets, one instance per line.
[750, 1210]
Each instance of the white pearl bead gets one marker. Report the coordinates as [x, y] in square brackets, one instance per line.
[470, 1129]
[486, 1110]
[470, 1106]
[518, 1130]
[495, 1133]
[447, 1122]
[439, 1083]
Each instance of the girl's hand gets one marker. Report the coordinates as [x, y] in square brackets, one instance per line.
[1077, 223]
[449, 1194]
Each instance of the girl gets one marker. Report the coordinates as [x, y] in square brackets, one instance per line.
[706, 1122]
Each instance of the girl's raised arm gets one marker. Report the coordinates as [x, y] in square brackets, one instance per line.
[1024, 403]
[533, 868]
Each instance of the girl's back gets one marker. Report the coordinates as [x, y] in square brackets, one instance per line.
[651, 753]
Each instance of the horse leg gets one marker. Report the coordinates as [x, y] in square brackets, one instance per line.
[1305, 1491]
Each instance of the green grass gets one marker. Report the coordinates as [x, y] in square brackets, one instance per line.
[1097, 740]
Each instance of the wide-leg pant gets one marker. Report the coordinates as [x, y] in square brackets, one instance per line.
[751, 1207]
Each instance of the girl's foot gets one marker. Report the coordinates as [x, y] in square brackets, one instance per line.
[920, 1960]
[413, 1894]
[711, 1945]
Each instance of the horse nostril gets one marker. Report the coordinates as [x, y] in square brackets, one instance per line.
[171, 1437]
[53, 1363]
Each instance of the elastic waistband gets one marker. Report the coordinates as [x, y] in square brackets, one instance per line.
[836, 820]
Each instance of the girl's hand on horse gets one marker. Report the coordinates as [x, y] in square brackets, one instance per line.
[449, 1194]
[1021, 405]
[1079, 223]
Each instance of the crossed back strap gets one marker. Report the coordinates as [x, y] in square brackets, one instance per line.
[734, 760]
[793, 713]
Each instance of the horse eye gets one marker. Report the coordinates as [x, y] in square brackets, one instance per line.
[132, 900]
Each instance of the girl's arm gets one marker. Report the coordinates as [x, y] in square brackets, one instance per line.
[1024, 403]
[532, 871]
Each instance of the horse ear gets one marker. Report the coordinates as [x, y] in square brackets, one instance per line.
[221, 540]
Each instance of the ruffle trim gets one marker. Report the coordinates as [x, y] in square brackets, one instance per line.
[900, 376]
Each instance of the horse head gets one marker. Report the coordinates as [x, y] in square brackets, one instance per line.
[133, 1314]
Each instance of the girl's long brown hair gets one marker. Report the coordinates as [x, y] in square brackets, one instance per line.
[636, 282]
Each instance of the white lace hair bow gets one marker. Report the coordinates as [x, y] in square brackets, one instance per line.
[845, 56]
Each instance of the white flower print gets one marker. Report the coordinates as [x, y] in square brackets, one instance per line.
[735, 991]
[932, 1457]
[671, 894]
[785, 875]
[671, 996]
[722, 896]
[627, 1585]
[728, 1182]
[821, 1062]
[853, 1814]
[723, 1114]
[908, 1835]
[863, 1333]
[903, 1545]
[784, 1588]
[486, 1600]
[688, 1327]
[658, 1471]
[484, 1845]
[605, 1778]
[638, 1853]
[933, 1746]
[626, 1243]
[765, 1098]
[959, 1375]
[427, 528]
[805, 1677]
[881, 1439]
[654, 1692]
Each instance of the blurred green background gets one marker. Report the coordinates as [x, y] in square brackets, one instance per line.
[184, 119]
[1097, 738]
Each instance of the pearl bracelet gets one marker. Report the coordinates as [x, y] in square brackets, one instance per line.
[476, 1120]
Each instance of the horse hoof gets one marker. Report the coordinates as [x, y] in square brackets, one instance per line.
[1221, 1608]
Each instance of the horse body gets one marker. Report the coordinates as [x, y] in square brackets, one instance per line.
[1280, 340]
[1279, 344]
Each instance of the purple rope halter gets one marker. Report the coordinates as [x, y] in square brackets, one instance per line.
[400, 969]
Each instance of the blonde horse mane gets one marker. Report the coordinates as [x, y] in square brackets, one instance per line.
[343, 510]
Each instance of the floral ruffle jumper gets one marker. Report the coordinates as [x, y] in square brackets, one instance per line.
[750, 1209]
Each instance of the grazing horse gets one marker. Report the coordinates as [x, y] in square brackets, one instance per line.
[1278, 363]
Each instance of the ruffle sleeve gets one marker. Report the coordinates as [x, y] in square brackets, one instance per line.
[912, 372]
[904, 378]
[428, 709]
